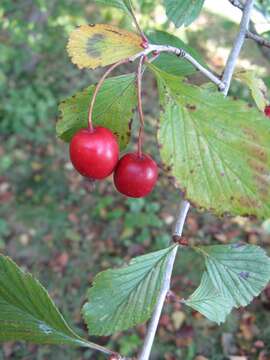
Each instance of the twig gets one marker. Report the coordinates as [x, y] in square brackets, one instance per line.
[152, 328]
[156, 49]
[251, 34]
[181, 218]
[183, 54]
[259, 39]
[237, 46]
[237, 4]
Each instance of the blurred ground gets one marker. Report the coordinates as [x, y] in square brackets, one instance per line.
[53, 224]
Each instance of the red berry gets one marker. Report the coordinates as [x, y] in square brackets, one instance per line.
[94, 154]
[135, 176]
[267, 111]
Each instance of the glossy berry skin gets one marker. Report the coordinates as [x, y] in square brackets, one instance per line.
[94, 154]
[135, 176]
[267, 111]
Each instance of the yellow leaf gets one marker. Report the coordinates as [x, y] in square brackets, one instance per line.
[91, 46]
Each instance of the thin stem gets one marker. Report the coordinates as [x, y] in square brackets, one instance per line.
[97, 88]
[132, 13]
[237, 46]
[140, 110]
[260, 40]
[181, 53]
[153, 324]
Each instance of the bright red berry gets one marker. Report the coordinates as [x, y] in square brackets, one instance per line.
[135, 176]
[94, 154]
[267, 111]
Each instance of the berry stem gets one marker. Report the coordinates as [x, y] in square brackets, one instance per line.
[97, 88]
[140, 110]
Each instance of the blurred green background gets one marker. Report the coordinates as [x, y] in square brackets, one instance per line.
[56, 225]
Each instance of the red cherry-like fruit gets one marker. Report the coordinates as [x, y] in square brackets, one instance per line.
[267, 111]
[94, 153]
[135, 176]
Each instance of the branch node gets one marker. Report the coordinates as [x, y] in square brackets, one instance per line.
[181, 53]
[144, 44]
[181, 240]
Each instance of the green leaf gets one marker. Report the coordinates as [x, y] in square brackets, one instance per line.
[113, 109]
[169, 62]
[125, 297]
[183, 12]
[28, 313]
[238, 271]
[209, 301]
[217, 149]
[257, 87]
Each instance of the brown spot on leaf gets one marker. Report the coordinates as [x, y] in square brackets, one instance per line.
[263, 184]
[255, 151]
[257, 166]
[251, 134]
[249, 202]
[191, 107]
[114, 32]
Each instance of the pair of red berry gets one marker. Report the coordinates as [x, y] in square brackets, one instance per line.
[95, 154]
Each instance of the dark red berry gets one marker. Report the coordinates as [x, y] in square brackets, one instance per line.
[267, 111]
[94, 154]
[135, 176]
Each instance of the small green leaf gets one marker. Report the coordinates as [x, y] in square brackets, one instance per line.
[125, 297]
[238, 271]
[169, 62]
[28, 313]
[256, 85]
[183, 12]
[209, 301]
[217, 149]
[113, 109]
